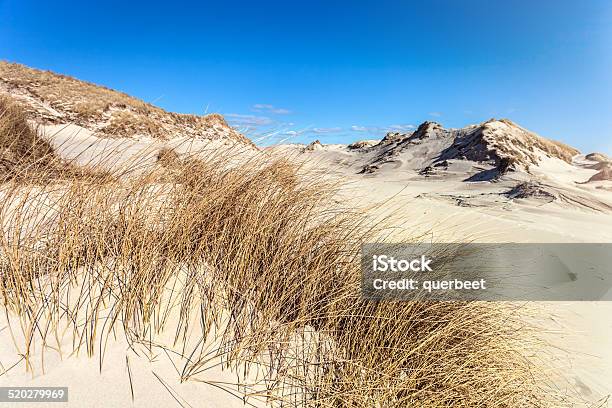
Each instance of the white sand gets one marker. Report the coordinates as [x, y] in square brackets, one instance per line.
[79, 145]
[443, 208]
[449, 209]
[88, 386]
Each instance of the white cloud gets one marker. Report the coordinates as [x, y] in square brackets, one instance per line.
[383, 129]
[265, 107]
[281, 111]
[326, 130]
[402, 128]
[370, 129]
[435, 114]
[262, 106]
[248, 120]
[292, 132]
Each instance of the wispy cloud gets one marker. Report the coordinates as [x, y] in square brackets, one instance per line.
[271, 109]
[248, 120]
[435, 114]
[270, 125]
[326, 130]
[402, 128]
[368, 129]
[383, 129]
[292, 132]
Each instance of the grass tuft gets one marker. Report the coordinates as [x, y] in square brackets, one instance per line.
[25, 155]
[256, 265]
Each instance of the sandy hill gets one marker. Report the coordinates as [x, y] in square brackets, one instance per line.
[499, 143]
[51, 98]
[603, 164]
[492, 164]
[485, 151]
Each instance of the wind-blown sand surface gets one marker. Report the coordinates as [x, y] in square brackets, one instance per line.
[79, 145]
[443, 208]
[447, 209]
[579, 331]
[153, 378]
[493, 182]
[119, 374]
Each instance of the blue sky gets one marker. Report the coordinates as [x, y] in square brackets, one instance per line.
[338, 71]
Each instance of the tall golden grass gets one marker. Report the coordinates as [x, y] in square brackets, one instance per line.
[21, 148]
[26, 155]
[259, 260]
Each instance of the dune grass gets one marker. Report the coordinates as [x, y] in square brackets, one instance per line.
[110, 112]
[21, 147]
[259, 260]
[27, 156]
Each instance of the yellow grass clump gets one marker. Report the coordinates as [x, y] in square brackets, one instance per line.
[25, 155]
[21, 147]
[258, 260]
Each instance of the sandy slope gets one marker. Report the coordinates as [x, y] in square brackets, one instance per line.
[444, 207]
[90, 386]
[59, 99]
[81, 146]
[441, 206]
[138, 374]
[580, 332]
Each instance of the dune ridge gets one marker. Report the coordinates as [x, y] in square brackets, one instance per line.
[51, 98]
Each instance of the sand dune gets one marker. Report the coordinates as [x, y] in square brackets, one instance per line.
[490, 182]
[554, 195]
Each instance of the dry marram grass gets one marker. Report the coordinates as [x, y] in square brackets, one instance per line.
[26, 156]
[21, 148]
[256, 260]
[54, 98]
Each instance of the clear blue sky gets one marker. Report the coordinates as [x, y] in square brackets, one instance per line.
[338, 71]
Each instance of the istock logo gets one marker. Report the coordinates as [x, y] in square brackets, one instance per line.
[384, 263]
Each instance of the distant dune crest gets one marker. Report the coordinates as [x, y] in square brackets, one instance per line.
[500, 143]
[491, 164]
[57, 99]
[603, 164]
